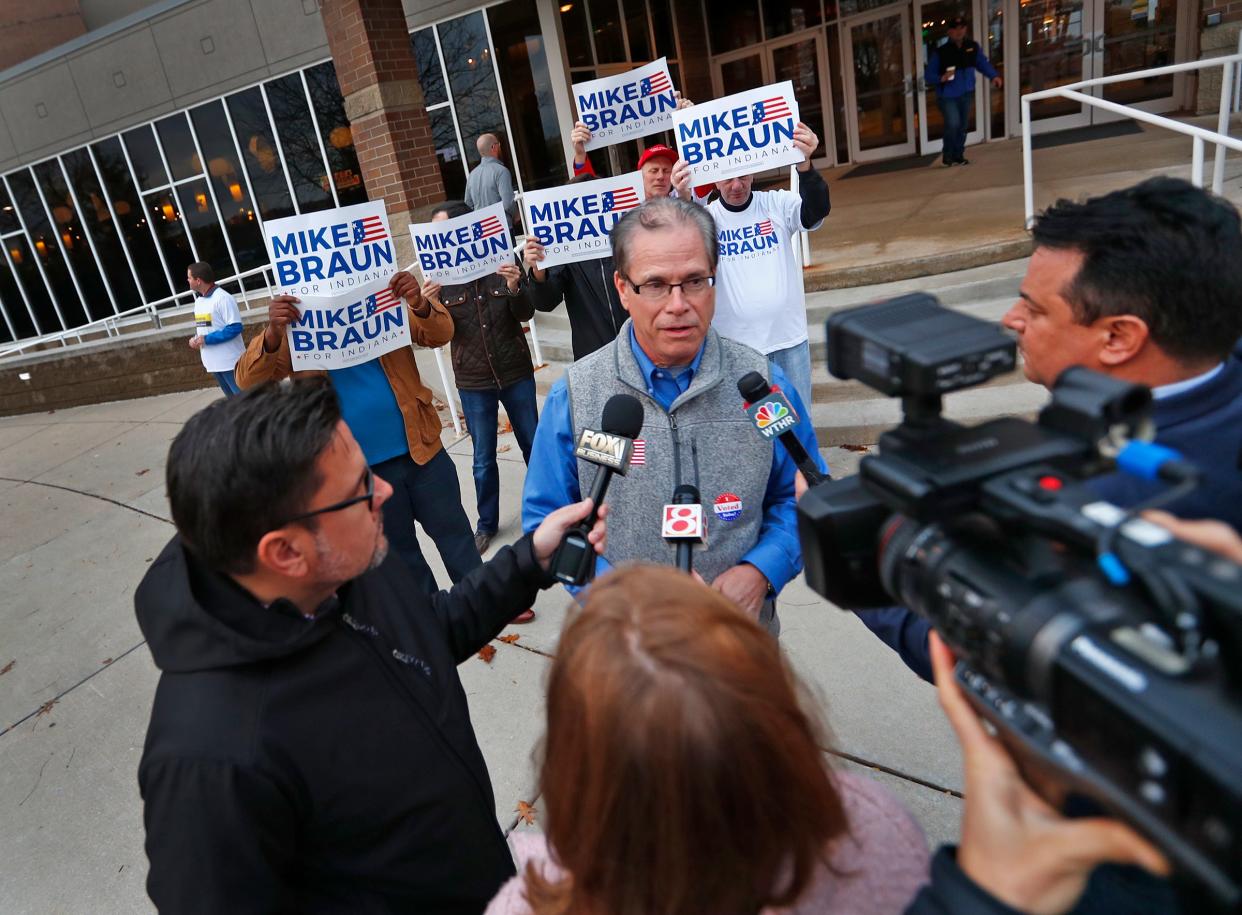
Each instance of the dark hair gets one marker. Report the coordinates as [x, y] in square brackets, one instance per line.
[244, 465]
[202, 271]
[668, 706]
[453, 208]
[659, 213]
[1164, 251]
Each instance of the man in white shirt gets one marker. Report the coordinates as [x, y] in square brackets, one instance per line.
[218, 324]
[759, 294]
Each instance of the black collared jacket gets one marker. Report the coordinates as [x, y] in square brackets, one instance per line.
[325, 764]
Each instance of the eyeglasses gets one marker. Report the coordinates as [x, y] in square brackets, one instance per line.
[366, 497]
[658, 290]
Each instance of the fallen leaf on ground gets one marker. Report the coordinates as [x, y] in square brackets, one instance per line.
[526, 812]
[45, 708]
[507, 639]
[7, 668]
[142, 471]
[106, 661]
[504, 427]
[503, 448]
[487, 652]
[854, 447]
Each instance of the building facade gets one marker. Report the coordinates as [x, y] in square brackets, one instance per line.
[168, 133]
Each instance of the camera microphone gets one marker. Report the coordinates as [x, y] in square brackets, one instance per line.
[774, 418]
[683, 523]
[611, 448]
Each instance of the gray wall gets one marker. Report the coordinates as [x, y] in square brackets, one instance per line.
[145, 60]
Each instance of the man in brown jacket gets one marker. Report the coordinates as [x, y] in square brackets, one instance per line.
[492, 366]
[388, 408]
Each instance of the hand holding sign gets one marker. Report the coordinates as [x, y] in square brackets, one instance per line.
[281, 312]
[806, 142]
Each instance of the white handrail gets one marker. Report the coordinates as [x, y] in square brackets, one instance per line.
[1231, 67]
[111, 325]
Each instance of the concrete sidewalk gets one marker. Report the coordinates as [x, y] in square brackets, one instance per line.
[84, 513]
[929, 219]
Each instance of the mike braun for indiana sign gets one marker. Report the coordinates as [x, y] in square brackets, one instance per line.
[633, 104]
[464, 248]
[339, 263]
[739, 134]
[573, 222]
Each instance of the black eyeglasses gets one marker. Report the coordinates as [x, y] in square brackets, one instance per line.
[657, 290]
[366, 497]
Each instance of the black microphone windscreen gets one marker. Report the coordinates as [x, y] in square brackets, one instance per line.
[691, 493]
[753, 386]
[623, 415]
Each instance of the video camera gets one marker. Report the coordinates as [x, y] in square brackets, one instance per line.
[1106, 653]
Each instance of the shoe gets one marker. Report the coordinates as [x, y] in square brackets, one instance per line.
[525, 616]
[482, 540]
[962, 162]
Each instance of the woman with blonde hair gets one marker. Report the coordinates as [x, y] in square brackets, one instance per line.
[684, 774]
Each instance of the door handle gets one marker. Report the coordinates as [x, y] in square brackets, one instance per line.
[1086, 46]
[1099, 43]
[922, 84]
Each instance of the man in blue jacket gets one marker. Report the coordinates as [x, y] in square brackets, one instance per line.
[951, 72]
[1142, 284]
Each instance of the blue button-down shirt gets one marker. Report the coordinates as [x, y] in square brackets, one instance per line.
[552, 474]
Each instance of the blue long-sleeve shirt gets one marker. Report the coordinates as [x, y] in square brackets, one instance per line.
[223, 335]
[963, 81]
[552, 474]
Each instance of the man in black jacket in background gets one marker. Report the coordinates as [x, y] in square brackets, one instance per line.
[310, 746]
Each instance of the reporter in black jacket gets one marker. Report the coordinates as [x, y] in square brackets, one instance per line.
[310, 746]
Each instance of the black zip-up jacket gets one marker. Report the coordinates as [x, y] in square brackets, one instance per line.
[595, 312]
[321, 765]
[489, 343]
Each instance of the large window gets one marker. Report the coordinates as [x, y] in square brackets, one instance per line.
[111, 227]
[300, 142]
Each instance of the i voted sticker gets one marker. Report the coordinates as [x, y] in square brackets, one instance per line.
[728, 507]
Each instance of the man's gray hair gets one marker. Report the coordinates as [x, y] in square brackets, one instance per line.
[662, 213]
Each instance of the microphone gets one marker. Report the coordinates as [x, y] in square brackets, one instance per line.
[611, 449]
[683, 523]
[774, 418]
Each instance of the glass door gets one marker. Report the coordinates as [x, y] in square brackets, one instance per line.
[932, 22]
[1055, 48]
[879, 85]
[1135, 35]
[804, 62]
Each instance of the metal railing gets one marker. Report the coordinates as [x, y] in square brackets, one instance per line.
[1230, 95]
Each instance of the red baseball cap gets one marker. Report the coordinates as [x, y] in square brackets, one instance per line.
[658, 151]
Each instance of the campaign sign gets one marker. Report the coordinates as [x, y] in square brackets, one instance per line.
[465, 248]
[337, 332]
[572, 222]
[331, 253]
[633, 104]
[739, 134]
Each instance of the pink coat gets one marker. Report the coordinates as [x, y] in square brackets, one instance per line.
[884, 860]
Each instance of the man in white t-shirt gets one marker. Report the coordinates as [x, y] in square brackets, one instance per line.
[218, 324]
[759, 294]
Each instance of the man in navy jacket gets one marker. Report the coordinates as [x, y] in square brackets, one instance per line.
[1143, 284]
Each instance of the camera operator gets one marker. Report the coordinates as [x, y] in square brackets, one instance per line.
[1142, 284]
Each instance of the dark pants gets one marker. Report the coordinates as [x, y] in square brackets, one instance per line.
[481, 412]
[428, 494]
[956, 113]
[227, 382]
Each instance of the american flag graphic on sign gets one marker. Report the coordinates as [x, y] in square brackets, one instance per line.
[640, 452]
[381, 301]
[624, 199]
[654, 85]
[770, 110]
[368, 230]
[765, 227]
[486, 228]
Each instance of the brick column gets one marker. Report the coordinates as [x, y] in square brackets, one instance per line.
[384, 103]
